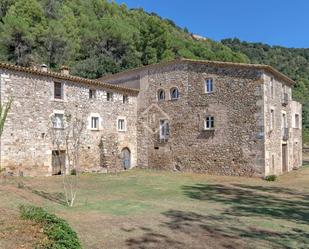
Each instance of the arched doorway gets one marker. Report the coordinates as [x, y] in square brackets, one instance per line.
[126, 158]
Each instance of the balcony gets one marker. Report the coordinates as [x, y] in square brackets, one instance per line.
[285, 134]
[285, 99]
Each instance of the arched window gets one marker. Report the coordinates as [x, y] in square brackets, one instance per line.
[161, 95]
[174, 93]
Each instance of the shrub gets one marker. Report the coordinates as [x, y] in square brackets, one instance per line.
[60, 234]
[271, 178]
[73, 172]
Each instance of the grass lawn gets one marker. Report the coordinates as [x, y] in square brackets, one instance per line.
[154, 209]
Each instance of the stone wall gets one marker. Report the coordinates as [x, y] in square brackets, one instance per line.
[26, 144]
[234, 147]
[274, 137]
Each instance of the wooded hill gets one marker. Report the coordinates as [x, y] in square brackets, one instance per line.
[98, 37]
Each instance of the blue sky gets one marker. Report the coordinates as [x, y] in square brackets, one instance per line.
[274, 22]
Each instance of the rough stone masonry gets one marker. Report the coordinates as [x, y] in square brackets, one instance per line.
[183, 115]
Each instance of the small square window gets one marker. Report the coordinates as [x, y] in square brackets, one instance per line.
[58, 90]
[109, 96]
[92, 94]
[209, 86]
[58, 121]
[95, 123]
[209, 123]
[121, 125]
[125, 99]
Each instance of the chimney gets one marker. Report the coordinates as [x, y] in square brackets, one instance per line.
[65, 70]
[44, 68]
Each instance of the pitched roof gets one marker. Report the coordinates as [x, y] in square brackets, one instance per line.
[72, 78]
[207, 62]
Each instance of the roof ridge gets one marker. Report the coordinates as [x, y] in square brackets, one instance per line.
[73, 78]
[210, 62]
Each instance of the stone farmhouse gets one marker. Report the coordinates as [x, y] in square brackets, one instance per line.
[183, 115]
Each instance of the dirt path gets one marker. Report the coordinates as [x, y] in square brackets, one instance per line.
[17, 233]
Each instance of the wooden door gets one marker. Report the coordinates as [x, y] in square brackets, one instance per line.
[58, 162]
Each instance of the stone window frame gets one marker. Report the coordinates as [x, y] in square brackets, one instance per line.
[164, 125]
[178, 94]
[94, 115]
[125, 99]
[206, 79]
[211, 127]
[272, 118]
[161, 90]
[92, 93]
[296, 123]
[125, 124]
[109, 96]
[62, 98]
[58, 112]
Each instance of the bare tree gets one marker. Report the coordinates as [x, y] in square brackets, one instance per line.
[67, 137]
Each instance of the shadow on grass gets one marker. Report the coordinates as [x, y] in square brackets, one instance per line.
[244, 200]
[183, 229]
[56, 197]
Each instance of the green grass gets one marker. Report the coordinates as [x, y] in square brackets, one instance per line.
[154, 209]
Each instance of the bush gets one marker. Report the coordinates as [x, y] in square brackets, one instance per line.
[73, 172]
[60, 234]
[271, 178]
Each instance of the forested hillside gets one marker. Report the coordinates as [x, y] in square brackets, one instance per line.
[95, 37]
[293, 62]
[98, 37]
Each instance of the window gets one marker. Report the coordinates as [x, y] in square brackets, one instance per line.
[161, 95]
[58, 121]
[92, 94]
[121, 125]
[95, 123]
[284, 121]
[209, 123]
[209, 87]
[109, 96]
[58, 90]
[125, 99]
[296, 120]
[174, 93]
[271, 84]
[271, 120]
[164, 129]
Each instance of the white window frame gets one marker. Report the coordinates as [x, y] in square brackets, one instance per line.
[91, 116]
[58, 112]
[171, 95]
[208, 123]
[124, 128]
[164, 129]
[209, 85]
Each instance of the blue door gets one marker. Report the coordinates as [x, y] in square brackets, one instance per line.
[126, 158]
